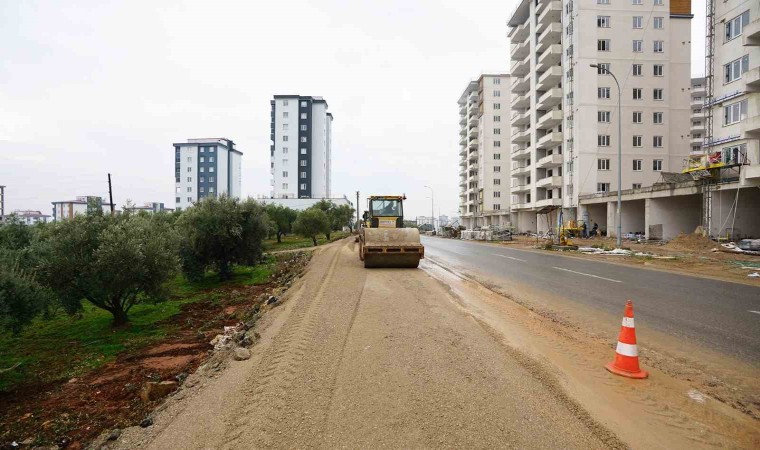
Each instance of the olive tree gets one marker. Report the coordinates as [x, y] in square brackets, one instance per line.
[114, 262]
[311, 223]
[220, 232]
[282, 219]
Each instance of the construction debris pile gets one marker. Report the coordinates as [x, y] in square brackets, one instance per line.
[619, 252]
[486, 235]
[744, 247]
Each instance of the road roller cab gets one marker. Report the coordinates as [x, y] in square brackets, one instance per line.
[383, 240]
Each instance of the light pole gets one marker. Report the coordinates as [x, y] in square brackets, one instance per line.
[432, 209]
[619, 241]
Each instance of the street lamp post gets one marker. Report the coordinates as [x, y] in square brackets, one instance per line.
[619, 241]
[432, 209]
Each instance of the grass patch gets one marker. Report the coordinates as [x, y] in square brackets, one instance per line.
[64, 346]
[291, 242]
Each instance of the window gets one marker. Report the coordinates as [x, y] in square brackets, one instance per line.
[303, 138]
[603, 164]
[603, 21]
[210, 169]
[190, 179]
[203, 159]
[637, 117]
[497, 118]
[657, 118]
[659, 46]
[497, 81]
[284, 162]
[284, 126]
[303, 186]
[202, 169]
[657, 94]
[189, 159]
[302, 163]
[304, 127]
[303, 151]
[603, 116]
[303, 174]
[284, 139]
[211, 189]
[497, 93]
[658, 2]
[637, 140]
[496, 206]
[638, 46]
[303, 116]
[284, 173]
[284, 150]
[637, 22]
[497, 143]
[496, 169]
[497, 194]
[190, 169]
[657, 165]
[284, 185]
[496, 106]
[735, 26]
[602, 2]
[735, 112]
[177, 199]
[202, 190]
[735, 69]
[602, 187]
[603, 45]
[211, 179]
[496, 182]
[603, 92]
[657, 70]
[284, 103]
[497, 131]
[603, 140]
[203, 149]
[735, 154]
[211, 149]
[304, 104]
[696, 148]
[636, 186]
[637, 165]
[189, 189]
[635, 2]
[658, 23]
[189, 199]
[637, 70]
[284, 114]
[637, 93]
[210, 159]
[657, 141]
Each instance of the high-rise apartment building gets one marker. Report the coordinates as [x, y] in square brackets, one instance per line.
[301, 149]
[734, 97]
[206, 167]
[484, 146]
[697, 131]
[565, 112]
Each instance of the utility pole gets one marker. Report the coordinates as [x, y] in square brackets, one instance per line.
[432, 209]
[357, 210]
[2, 201]
[110, 194]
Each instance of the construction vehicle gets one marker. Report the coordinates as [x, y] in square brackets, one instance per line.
[383, 240]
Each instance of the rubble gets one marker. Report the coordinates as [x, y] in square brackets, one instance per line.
[242, 354]
[155, 390]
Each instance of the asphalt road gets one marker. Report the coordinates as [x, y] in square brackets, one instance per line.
[720, 315]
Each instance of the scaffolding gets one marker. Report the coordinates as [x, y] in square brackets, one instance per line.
[707, 109]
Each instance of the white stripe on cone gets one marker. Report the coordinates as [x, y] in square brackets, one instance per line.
[628, 322]
[627, 349]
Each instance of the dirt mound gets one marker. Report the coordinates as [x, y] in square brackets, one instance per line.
[691, 242]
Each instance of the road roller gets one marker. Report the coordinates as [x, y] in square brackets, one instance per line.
[383, 240]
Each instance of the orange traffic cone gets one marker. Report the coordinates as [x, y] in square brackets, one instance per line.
[627, 353]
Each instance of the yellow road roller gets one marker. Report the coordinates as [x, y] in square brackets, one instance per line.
[383, 240]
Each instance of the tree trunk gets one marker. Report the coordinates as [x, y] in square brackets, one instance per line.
[327, 235]
[314, 239]
[119, 317]
[279, 237]
[225, 270]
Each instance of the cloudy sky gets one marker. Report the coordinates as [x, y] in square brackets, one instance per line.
[91, 87]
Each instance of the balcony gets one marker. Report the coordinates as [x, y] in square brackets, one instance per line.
[549, 182]
[521, 135]
[548, 12]
[473, 97]
[550, 57]
[549, 202]
[472, 109]
[549, 161]
[518, 170]
[521, 84]
[697, 103]
[551, 35]
[520, 118]
[549, 79]
[473, 122]
[697, 128]
[752, 80]
[473, 132]
[520, 68]
[517, 206]
[520, 51]
[463, 119]
[549, 120]
[463, 150]
[462, 182]
[521, 152]
[463, 109]
[519, 33]
[519, 187]
[550, 140]
[751, 125]
[751, 33]
[463, 162]
[463, 139]
[520, 101]
[549, 98]
[473, 143]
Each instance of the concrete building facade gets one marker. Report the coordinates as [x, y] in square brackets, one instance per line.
[565, 112]
[206, 167]
[27, 217]
[301, 148]
[484, 147]
[697, 130]
[67, 209]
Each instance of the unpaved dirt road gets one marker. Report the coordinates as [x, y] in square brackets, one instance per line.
[374, 358]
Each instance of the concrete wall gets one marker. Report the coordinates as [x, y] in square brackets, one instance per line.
[677, 215]
[745, 223]
[597, 213]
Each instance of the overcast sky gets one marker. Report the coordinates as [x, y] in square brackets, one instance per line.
[91, 87]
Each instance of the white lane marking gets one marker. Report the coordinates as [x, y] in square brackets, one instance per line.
[756, 312]
[589, 275]
[505, 256]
